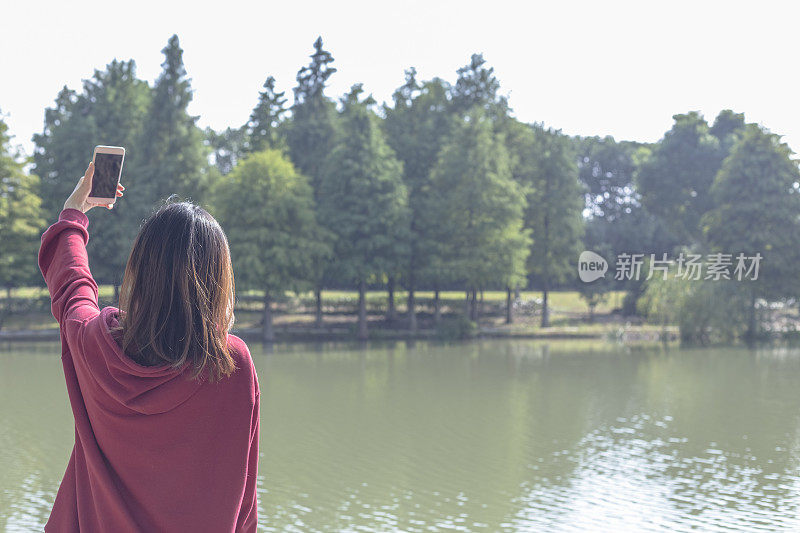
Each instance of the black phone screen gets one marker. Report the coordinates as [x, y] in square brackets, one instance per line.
[107, 168]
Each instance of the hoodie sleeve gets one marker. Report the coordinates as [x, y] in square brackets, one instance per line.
[248, 511]
[65, 267]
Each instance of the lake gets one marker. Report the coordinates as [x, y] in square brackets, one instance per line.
[493, 435]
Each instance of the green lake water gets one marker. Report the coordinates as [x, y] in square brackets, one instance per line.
[486, 436]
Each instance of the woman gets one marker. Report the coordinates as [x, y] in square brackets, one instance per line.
[166, 402]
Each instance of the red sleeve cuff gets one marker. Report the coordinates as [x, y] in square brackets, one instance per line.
[74, 215]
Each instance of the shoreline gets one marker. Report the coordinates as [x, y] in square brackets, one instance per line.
[310, 335]
[293, 320]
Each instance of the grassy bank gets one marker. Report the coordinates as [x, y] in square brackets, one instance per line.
[294, 316]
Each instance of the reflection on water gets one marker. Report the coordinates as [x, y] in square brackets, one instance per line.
[488, 436]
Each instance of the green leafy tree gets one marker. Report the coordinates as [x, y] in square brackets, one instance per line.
[596, 292]
[706, 311]
[416, 127]
[555, 202]
[476, 208]
[173, 158]
[606, 169]
[21, 219]
[117, 101]
[675, 178]
[637, 232]
[311, 134]
[63, 149]
[616, 216]
[272, 230]
[110, 110]
[616, 222]
[363, 200]
[663, 301]
[757, 211]
[727, 127]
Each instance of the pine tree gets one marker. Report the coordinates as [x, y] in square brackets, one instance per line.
[416, 127]
[173, 157]
[477, 85]
[477, 209]
[363, 200]
[262, 129]
[312, 132]
[21, 220]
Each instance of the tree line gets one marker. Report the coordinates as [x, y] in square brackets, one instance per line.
[440, 188]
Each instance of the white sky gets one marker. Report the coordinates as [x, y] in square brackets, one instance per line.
[592, 68]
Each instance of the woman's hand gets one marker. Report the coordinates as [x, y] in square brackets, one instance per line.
[77, 200]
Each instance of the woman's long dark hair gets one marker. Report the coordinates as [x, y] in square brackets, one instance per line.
[177, 294]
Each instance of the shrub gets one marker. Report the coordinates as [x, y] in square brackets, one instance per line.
[706, 312]
[456, 328]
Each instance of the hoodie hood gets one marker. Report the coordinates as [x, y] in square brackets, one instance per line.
[144, 389]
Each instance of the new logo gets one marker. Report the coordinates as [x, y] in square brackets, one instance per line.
[591, 266]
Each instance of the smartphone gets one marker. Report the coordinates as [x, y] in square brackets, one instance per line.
[107, 172]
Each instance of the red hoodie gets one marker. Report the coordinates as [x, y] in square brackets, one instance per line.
[154, 450]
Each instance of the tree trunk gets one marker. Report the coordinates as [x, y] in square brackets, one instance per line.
[546, 265]
[467, 304]
[412, 310]
[437, 308]
[318, 298]
[390, 312]
[480, 305]
[509, 316]
[116, 294]
[8, 292]
[267, 332]
[545, 310]
[751, 322]
[362, 310]
[474, 306]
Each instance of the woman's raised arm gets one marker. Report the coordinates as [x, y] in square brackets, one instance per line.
[63, 259]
